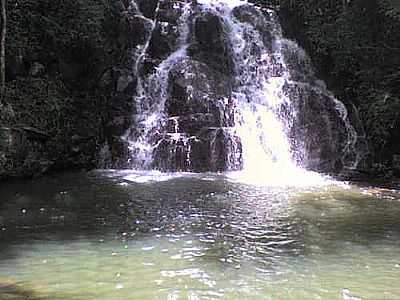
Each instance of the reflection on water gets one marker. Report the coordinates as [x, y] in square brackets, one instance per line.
[126, 235]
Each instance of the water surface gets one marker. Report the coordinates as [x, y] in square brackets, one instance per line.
[126, 235]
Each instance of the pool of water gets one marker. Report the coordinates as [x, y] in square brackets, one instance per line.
[128, 235]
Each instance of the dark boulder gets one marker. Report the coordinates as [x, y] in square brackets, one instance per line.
[126, 82]
[162, 42]
[15, 66]
[37, 69]
[298, 62]
[191, 123]
[262, 22]
[170, 11]
[148, 7]
[194, 87]
[136, 30]
[23, 153]
[172, 154]
[225, 150]
[214, 149]
[211, 44]
[320, 132]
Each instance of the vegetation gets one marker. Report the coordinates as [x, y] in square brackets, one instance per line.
[3, 50]
[355, 46]
[57, 51]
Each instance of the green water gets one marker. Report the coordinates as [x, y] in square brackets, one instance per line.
[103, 236]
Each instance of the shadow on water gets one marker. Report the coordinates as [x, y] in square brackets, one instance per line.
[360, 216]
[228, 224]
[75, 205]
[58, 208]
[228, 217]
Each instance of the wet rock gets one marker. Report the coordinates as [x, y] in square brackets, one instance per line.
[170, 11]
[211, 44]
[208, 31]
[137, 30]
[15, 67]
[104, 157]
[11, 290]
[248, 13]
[191, 123]
[35, 134]
[319, 131]
[22, 153]
[262, 22]
[199, 155]
[118, 155]
[71, 71]
[37, 69]
[162, 41]
[126, 82]
[106, 81]
[118, 125]
[196, 88]
[225, 150]
[148, 7]
[214, 149]
[172, 153]
[396, 164]
[298, 63]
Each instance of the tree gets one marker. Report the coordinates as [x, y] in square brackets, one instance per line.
[3, 51]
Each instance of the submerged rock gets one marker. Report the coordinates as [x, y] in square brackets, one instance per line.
[11, 290]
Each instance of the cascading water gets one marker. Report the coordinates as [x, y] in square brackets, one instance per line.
[152, 94]
[231, 93]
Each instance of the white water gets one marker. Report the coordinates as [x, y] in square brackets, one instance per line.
[229, 3]
[152, 94]
[258, 98]
[266, 150]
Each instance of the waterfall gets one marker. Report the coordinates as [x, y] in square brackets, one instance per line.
[220, 89]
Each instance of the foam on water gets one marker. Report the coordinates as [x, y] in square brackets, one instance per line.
[275, 177]
[229, 3]
[264, 113]
[142, 176]
[195, 239]
[289, 177]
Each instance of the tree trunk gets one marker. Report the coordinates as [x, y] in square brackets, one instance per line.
[3, 52]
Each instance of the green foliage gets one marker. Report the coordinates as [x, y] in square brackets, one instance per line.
[391, 8]
[355, 48]
[382, 112]
[39, 103]
[45, 27]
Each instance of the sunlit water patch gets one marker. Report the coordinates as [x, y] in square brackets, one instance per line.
[272, 176]
[105, 236]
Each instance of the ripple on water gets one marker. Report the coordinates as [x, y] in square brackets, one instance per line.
[189, 238]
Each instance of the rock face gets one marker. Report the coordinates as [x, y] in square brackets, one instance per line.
[190, 86]
[211, 44]
[215, 80]
[22, 152]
